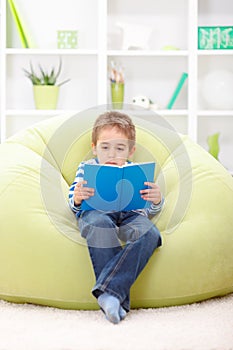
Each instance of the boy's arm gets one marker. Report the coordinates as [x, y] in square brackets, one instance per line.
[155, 208]
[154, 195]
[78, 177]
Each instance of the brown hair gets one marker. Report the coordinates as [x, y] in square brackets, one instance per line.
[115, 119]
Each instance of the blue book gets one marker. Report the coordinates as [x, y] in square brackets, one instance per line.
[117, 187]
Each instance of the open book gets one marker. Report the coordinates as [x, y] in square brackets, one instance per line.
[117, 187]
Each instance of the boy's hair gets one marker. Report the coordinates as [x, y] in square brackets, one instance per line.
[115, 119]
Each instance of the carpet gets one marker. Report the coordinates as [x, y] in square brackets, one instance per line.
[207, 325]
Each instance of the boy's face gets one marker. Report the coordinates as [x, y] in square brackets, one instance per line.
[112, 147]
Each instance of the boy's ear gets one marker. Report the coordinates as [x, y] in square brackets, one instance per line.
[131, 152]
[93, 149]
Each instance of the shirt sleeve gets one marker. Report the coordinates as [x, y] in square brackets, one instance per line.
[78, 177]
[154, 208]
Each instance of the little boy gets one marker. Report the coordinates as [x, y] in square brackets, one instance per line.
[116, 267]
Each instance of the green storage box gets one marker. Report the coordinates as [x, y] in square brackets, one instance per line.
[215, 38]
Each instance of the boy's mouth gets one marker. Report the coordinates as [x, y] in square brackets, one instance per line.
[111, 163]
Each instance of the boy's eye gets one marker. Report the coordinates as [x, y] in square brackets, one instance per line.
[120, 149]
[104, 147]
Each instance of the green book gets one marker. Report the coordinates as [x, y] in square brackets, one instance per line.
[19, 26]
[179, 86]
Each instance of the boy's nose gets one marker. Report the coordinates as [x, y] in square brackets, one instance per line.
[112, 152]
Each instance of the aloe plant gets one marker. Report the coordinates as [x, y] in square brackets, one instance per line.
[45, 77]
[213, 142]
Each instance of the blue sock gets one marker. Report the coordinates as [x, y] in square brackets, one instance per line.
[111, 306]
[122, 313]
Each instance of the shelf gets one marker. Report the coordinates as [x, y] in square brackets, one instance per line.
[107, 34]
[172, 112]
[36, 112]
[214, 113]
[41, 112]
[141, 53]
[215, 52]
[50, 52]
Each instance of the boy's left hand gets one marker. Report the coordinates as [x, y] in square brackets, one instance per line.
[152, 193]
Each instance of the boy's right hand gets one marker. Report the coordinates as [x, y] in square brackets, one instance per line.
[81, 193]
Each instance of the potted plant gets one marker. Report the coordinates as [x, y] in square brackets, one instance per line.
[45, 85]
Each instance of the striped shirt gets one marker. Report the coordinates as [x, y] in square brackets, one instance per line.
[149, 212]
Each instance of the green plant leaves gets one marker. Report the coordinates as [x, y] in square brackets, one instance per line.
[45, 77]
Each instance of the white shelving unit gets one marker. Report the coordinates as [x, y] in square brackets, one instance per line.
[150, 70]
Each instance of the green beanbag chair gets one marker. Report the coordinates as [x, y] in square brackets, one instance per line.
[44, 260]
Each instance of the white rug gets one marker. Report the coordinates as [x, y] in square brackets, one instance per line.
[202, 326]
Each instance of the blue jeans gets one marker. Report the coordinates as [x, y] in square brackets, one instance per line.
[116, 267]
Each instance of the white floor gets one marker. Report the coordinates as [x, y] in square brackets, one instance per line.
[202, 326]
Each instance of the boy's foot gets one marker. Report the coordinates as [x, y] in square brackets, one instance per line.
[122, 313]
[111, 306]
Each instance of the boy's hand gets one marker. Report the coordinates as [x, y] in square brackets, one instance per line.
[151, 194]
[81, 192]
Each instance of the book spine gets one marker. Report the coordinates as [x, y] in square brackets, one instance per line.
[18, 23]
[179, 86]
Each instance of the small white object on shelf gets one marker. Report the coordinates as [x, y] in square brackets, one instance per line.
[135, 36]
[145, 102]
[217, 89]
[141, 101]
